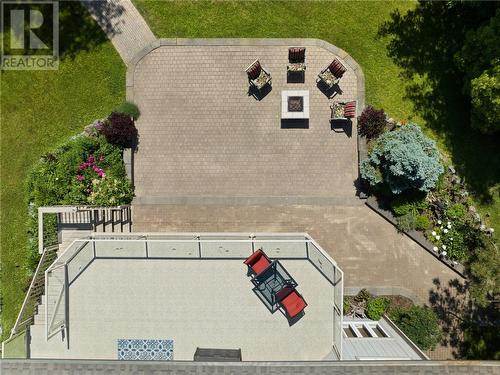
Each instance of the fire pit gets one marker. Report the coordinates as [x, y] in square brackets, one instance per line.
[295, 104]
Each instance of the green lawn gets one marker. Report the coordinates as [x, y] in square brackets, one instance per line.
[39, 109]
[352, 26]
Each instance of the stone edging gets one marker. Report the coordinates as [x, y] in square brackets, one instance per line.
[415, 235]
[343, 55]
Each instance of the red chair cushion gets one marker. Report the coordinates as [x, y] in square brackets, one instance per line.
[261, 264]
[293, 304]
[254, 71]
[296, 55]
[350, 109]
[253, 258]
[258, 261]
[337, 68]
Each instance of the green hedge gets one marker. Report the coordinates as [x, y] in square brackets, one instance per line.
[420, 324]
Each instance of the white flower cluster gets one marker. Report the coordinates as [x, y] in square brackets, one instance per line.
[437, 233]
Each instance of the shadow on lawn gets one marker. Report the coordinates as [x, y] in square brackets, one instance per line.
[471, 331]
[77, 31]
[424, 43]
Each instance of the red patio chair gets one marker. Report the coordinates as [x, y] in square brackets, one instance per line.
[332, 74]
[291, 301]
[257, 262]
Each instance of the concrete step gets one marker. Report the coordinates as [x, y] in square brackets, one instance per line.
[55, 347]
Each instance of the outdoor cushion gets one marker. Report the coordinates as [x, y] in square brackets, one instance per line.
[327, 77]
[261, 264]
[296, 55]
[254, 71]
[262, 79]
[258, 261]
[337, 68]
[350, 109]
[293, 303]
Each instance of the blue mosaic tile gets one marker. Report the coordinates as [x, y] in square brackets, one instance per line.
[145, 350]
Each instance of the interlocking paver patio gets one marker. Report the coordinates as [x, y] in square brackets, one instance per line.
[201, 134]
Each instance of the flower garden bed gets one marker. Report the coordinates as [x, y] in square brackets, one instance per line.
[403, 172]
[415, 235]
[419, 323]
[88, 169]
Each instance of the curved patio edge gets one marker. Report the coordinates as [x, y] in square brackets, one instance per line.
[343, 55]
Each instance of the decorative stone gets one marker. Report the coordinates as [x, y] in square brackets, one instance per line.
[452, 169]
[472, 209]
[482, 228]
[477, 217]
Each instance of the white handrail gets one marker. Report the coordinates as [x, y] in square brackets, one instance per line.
[28, 294]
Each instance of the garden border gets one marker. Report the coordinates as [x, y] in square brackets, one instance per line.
[415, 235]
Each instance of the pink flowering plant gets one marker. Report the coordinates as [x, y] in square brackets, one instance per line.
[68, 174]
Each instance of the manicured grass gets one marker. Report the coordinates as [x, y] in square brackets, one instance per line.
[352, 26]
[40, 109]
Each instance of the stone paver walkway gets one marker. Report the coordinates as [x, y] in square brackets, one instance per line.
[123, 25]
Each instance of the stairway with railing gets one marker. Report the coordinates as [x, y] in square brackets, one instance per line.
[45, 305]
[36, 292]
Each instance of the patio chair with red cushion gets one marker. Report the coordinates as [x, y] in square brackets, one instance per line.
[257, 262]
[343, 110]
[291, 301]
[332, 74]
[258, 77]
[296, 59]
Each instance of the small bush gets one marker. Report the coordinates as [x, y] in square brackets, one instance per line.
[120, 130]
[402, 205]
[407, 222]
[405, 160]
[376, 308]
[420, 324]
[422, 222]
[363, 295]
[457, 211]
[371, 122]
[129, 108]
